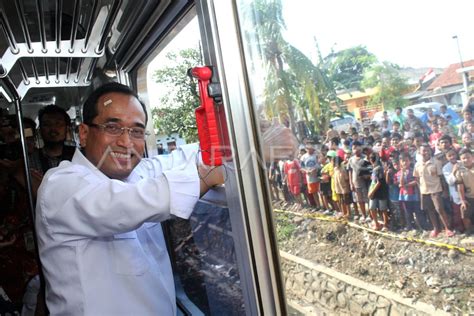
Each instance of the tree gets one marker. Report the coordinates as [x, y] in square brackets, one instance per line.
[346, 67]
[176, 113]
[294, 86]
[390, 85]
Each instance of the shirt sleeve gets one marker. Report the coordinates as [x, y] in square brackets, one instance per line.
[458, 176]
[73, 202]
[439, 168]
[448, 175]
[415, 171]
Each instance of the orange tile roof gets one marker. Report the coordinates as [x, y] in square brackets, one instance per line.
[449, 77]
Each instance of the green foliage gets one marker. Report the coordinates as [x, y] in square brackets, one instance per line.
[176, 111]
[284, 227]
[390, 85]
[294, 86]
[346, 67]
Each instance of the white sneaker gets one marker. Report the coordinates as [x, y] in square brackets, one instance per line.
[356, 218]
[368, 219]
[327, 212]
[361, 220]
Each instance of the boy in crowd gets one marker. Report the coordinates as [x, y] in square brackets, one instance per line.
[396, 128]
[341, 186]
[408, 195]
[357, 180]
[467, 116]
[428, 173]
[390, 170]
[465, 181]
[292, 176]
[452, 158]
[325, 183]
[378, 194]
[310, 169]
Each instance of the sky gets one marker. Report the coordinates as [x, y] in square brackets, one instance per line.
[410, 33]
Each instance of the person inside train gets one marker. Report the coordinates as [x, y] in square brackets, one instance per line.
[100, 242]
[53, 127]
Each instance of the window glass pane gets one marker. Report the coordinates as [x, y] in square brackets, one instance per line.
[328, 70]
[202, 248]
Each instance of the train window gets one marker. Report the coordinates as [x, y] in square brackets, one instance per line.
[202, 248]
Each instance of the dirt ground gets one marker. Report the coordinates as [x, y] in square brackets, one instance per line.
[435, 275]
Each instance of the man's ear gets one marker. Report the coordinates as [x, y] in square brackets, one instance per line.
[83, 132]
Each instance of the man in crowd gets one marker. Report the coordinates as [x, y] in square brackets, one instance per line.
[398, 117]
[54, 123]
[429, 175]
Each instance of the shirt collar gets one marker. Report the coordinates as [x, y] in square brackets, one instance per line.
[428, 162]
[81, 160]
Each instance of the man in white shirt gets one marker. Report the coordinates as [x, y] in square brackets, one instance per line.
[99, 237]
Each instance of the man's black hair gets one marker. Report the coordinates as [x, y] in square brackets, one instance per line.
[356, 143]
[335, 140]
[446, 137]
[89, 110]
[398, 108]
[465, 151]
[397, 136]
[418, 135]
[53, 109]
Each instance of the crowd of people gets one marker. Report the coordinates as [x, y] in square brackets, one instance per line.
[19, 273]
[403, 173]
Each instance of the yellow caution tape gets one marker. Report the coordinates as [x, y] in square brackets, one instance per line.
[385, 234]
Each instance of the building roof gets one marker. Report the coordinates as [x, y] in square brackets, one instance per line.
[450, 77]
[357, 94]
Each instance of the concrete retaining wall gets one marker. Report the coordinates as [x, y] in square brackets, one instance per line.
[332, 292]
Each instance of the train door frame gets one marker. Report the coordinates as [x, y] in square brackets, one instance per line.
[246, 188]
[221, 19]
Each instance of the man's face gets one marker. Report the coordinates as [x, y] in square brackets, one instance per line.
[395, 141]
[466, 160]
[405, 163]
[115, 156]
[357, 150]
[467, 116]
[425, 153]
[444, 145]
[466, 139]
[385, 142]
[418, 141]
[398, 111]
[451, 157]
[410, 113]
[53, 128]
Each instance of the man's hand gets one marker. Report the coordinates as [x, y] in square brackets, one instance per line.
[210, 176]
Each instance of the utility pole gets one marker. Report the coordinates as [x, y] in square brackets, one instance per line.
[464, 74]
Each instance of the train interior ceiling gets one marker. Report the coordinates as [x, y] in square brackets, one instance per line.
[49, 45]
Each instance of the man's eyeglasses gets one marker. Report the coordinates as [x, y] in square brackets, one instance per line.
[112, 129]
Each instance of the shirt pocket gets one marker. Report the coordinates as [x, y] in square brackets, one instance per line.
[432, 171]
[129, 256]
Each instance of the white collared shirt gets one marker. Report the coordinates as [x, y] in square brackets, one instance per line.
[100, 242]
[451, 180]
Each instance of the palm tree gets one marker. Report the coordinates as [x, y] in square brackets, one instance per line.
[294, 86]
